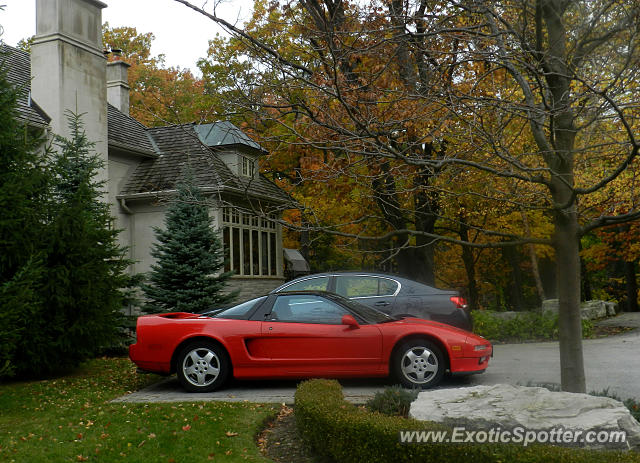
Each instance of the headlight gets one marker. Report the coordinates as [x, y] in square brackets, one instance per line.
[479, 348]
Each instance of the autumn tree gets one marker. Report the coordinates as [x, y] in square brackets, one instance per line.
[160, 95]
[559, 75]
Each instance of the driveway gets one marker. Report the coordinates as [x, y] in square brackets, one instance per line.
[612, 363]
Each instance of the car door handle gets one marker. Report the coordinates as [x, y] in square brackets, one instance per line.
[382, 303]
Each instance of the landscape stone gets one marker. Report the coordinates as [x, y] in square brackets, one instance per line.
[590, 310]
[532, 408]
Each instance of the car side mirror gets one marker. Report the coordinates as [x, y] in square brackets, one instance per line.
[350, 321]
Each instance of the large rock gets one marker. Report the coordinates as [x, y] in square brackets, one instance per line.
[590, 310]
[533, 408]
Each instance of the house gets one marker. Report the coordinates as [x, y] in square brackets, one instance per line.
[67, 70]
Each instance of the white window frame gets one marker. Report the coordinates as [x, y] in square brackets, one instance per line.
[247, 166]
[232, 218]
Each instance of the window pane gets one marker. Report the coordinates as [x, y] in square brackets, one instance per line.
[246, 257]
[265, 253]
[273, 266]
[356, 286]
[255, 252]
[307, 309]
[240, 311]
[226, 240]
[311, 284]
[387, 287]
[235, 234]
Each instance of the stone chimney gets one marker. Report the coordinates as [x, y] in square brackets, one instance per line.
[118, 85]
[68, 68]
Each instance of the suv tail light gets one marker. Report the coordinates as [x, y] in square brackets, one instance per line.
[460, 302]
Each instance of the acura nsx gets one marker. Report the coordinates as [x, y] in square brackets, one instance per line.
[303, 334]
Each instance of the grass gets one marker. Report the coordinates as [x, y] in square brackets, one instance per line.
[70, 419]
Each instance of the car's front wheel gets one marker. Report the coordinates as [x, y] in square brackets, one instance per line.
[419, 363]
[202, 366]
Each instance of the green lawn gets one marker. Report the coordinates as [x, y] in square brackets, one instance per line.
[69, 419]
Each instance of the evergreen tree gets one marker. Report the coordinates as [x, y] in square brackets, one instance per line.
[84, 274]
[188, 273]
[24, 183]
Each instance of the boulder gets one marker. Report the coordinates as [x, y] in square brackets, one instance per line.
[550, 305]
[510, 407]
[590, 310]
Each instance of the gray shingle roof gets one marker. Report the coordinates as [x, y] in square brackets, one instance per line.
[17, 63]
[180, 146]
[169, 149]
[127, 133]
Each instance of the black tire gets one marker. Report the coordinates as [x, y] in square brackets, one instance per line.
[202, 366]
[418, 363]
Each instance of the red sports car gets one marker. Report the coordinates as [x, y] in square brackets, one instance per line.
[303, 335]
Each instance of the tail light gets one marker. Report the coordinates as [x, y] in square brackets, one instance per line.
[459, 302]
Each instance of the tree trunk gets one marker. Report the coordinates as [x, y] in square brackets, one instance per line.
[632, 286]
[470, 267]
[570, 322]
[561, 163]
[510, 254]
[535, 268]
[584, 277]
[417, 264]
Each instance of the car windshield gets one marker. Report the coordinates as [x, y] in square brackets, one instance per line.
[239, 312]
[368, 314]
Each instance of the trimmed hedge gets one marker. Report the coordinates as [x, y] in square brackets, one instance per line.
[345, 433]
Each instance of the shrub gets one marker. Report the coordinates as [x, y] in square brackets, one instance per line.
[524, 326]
[393, 401]
[346, 433]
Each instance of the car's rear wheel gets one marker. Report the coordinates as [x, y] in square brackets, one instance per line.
[419, 363]
[202, 366]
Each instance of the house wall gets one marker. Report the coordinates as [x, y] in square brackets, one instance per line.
[120, 168]
[145, 217]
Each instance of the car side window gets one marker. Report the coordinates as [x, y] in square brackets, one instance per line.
[306, 309]
[387, 287]
[310, 284]
[365, 286]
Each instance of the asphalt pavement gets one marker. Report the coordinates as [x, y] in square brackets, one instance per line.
[611, 363]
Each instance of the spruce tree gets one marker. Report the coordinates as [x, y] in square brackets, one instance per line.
[84, 267]
[187, 275]
[24, 183]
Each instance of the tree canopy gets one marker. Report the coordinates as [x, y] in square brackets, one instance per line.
[449, 123]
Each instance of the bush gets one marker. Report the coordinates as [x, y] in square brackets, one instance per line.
[524, 326]
[346, 433]
[393, 401]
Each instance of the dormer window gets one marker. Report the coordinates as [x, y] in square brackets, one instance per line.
[248, 167]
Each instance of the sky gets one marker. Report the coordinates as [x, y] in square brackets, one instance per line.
[181, 34]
